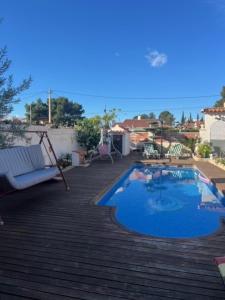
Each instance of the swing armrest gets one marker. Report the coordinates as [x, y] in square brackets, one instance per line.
[6, 181]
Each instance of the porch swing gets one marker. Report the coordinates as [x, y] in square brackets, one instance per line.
[24, 166]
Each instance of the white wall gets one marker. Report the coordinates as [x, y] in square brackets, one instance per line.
[62, 139]
[213, 131]
[205, 131]
[126, 144]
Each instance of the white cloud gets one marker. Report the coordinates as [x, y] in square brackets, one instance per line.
[156, 59]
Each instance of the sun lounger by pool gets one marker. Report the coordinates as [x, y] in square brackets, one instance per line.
[149, 151]
[176, 151]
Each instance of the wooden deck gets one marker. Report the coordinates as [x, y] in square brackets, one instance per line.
[59, 245]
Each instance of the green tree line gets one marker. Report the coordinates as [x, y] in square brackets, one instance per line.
[65, 112]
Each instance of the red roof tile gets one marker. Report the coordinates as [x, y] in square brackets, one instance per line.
[143, 123]
[139, 137]
[214, 110]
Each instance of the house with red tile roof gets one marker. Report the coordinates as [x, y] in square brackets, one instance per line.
[140, 129]
[140, 124]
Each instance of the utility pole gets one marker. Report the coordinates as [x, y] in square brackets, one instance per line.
[30, 114]
[49, 107]
[105, 121]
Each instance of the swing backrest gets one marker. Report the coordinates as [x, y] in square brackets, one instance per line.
[15, 161]
[36, 156]
[21, 160]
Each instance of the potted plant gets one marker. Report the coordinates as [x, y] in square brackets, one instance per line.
[204, 150]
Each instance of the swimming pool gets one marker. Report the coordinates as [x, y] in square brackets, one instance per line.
[166, 201]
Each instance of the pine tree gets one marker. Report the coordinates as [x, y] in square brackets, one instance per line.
[167, 117]
[183, 119]
[190, 120]
[197, 117]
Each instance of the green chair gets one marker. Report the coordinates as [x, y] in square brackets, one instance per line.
[175, 151]
[150, 152]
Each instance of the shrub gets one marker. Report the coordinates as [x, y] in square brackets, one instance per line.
[88, 133]
[190, 143]
[204, 150]
[220, 161]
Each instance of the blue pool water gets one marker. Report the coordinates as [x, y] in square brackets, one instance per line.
[166, 202]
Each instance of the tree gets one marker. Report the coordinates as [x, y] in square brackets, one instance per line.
[190, 120]
[142, 116]
[88, 129]
[8, 97]
[8, 92]
[109, 118]
[220, 102]
[88, 132]
[167, 118]
[39, 111]
[197, 118]
[64, 111]
[190, 143]
[183, 119]
[151, 115]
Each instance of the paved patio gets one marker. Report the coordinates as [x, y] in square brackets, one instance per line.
[59, 245]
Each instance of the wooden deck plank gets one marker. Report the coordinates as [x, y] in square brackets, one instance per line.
[59, 245]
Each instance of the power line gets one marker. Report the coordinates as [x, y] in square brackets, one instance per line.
[122, 112]
[133, 98]
[136, 98]
[120, 97]
[161, 109]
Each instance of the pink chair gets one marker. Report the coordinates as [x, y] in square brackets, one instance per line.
[104, 150]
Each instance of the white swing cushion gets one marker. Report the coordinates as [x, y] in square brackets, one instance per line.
[26, 180]
[36, 156]
[24, 166]
[15, 161]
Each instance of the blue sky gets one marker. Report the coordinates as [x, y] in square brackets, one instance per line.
[125, 48]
